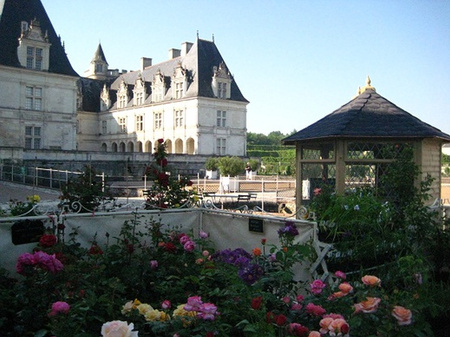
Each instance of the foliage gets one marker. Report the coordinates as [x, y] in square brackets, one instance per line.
[212, 164]
[388, 230]
[167, 190]
[87, 189]
[275, 158]
[231, 166]
[162, 281]
[18, 208]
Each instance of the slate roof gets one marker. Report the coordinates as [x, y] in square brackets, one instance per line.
[369, 115]
[99, 55]
[12, 13]
[199, 62]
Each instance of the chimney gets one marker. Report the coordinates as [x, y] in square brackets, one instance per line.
[174, 53]
[185, 47]
[145, 62]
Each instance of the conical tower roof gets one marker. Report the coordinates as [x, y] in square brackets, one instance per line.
[99, 55]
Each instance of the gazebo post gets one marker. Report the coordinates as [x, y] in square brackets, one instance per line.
[340, 167]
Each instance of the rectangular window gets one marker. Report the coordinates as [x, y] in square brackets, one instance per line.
[32, 137]
[221, 118]
[33, 98]
[122, 101]
[179, 118]
[178, 89]
[140, 123]
[34, 58]
[123, 125]
[221, 146]
[222, 92]
[158, 120]
[104, 127]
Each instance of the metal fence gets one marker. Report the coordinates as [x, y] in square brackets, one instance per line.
[38, 176]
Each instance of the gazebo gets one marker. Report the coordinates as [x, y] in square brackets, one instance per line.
[351, 146]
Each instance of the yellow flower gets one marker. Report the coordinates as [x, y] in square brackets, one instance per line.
[152, 315]
[143, 308]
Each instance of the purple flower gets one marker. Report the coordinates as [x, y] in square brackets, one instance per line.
[250, 273]
[288, 230]
[153, 264]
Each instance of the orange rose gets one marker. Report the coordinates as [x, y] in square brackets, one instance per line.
[370, 305]
[345, 287]
[314, 334]
[402, 315]
[370, 280]
[256, 251]
[337, 294]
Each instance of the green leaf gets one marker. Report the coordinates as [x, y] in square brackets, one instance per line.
[41, 333]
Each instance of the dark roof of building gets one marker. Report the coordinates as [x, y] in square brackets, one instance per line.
[99, 55]
[369, 115]
[200, 61]
[12, 13]
[91, 90]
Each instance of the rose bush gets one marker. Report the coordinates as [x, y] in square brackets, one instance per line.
[161, 287]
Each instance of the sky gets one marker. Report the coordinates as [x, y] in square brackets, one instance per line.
[296, 61]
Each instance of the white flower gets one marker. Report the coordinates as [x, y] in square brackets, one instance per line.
[118, 329]
[356, 208]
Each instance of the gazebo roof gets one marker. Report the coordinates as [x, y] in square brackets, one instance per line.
[368, 115]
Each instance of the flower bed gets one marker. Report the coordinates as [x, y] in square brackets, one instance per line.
[153, 282]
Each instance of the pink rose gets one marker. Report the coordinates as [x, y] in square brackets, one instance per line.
[340, 274]
[166, 304]
[317, 287]
[189, 246]
[203, 235]
[193, 303]
[59, 308]
[207, 311]
[315, 310]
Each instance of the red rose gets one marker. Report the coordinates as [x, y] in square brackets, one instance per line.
[256, 302]
[95, 250]
[280, 320]
[48, 240]
[170, 247]
[160, 141]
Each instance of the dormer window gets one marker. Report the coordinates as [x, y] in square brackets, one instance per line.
[34, 49]
[158, 87]
[221, 82]
[122, 95]
[179, 80]
[139, 91]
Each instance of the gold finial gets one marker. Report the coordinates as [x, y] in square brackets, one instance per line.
[368, 85]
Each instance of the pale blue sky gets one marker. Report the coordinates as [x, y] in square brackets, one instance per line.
[295, 61]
